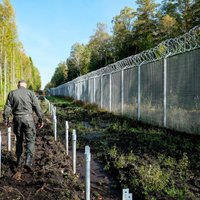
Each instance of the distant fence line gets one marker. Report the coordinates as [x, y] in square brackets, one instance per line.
[160, 86]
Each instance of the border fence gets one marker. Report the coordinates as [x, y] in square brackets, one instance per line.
[160, 86]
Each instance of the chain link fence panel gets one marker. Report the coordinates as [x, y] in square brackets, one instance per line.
[105, 91]
[98, 91]
[160, 86]
[116, 96]
[130, 92]
[183, 92]
[151, 106]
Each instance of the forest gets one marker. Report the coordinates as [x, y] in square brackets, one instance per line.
[133, 30]
[14, 63]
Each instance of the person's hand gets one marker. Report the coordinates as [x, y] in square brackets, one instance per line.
[7, 123]
[40, 125]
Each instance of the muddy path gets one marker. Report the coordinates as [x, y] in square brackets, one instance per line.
[52, 176]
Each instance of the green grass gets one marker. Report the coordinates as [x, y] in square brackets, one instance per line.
[154, 163]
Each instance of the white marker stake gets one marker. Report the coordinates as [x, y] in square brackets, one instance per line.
[67, 137]
[125, 194]
[87, 172]
[9, 138]
[74, 150]
[55, 128]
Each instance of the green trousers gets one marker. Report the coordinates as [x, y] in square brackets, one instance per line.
[24, 128]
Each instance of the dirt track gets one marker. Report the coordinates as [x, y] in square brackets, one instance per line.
[52, 176]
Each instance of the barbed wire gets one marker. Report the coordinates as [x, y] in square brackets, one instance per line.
[187, 42]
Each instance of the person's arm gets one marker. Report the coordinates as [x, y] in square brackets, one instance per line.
[37, 109]
[7, 110]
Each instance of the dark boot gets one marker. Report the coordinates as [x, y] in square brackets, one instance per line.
[19, 161]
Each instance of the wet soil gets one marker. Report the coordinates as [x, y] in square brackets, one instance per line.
[51, 176]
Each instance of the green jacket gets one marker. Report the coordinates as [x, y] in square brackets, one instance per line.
[22, 102]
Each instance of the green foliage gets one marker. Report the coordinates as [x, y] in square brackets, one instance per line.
[176, 192]
[196, 12]
[152, 178]
[145, 24]
[123, 35]
[97, 45]
[79, 59]
[14, 63]
[183, 167]
[60, 75]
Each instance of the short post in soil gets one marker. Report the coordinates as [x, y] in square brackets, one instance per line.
[0, 151]
[74, 150]
[67, 136]
[126, 195]
[87, 172]
[55, 127]
[9, 138]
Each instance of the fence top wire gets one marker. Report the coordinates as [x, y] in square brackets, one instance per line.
[187, 42]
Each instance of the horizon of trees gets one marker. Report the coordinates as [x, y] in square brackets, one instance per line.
[14, 63]
[133, 31]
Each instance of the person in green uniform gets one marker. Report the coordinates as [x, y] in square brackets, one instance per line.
[22, 103]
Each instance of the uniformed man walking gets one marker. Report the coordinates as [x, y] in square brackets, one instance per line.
[22, 103]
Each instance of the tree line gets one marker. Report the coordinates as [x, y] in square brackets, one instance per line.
[133, 31]
[14, 63]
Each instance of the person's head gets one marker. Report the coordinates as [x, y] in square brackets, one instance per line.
[40, 92]
[22, 83]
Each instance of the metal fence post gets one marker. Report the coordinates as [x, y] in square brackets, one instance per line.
[87, 172]
[79, 91]
[165, 92]
[74, 150]
[89, 94]
[9, 138]
[75, 91]
[139, 94]
[122, 92]
[110, 92]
